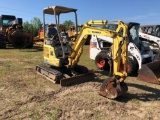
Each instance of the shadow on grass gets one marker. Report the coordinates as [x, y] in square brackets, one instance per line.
[152, 96]
[151, 93]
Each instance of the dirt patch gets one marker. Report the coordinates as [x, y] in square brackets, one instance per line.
[83, 102]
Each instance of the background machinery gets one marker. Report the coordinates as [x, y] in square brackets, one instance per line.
[61, 59]
[72, 32]
[39, 39]
[11, 32]
[149, 72]
[151, 35]
[138, 52]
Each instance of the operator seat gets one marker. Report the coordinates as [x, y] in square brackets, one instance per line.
[51, 31]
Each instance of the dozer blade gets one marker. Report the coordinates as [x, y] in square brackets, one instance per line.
[112, 89]
[150, 72]
[77, 79]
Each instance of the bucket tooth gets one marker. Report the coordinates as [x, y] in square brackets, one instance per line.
[112, 89]
[150, 73]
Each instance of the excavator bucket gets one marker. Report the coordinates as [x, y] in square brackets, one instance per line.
[111, 88]
[150, 72]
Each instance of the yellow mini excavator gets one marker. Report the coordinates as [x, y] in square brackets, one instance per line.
[61, 59]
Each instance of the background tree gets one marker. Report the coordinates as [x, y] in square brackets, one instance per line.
[33, 27]
[26, 26]
[67, 23]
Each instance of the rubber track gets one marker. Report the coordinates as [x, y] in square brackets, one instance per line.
[57, 76]
[51, 74]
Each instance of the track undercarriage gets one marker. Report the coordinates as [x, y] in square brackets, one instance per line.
[64, 75]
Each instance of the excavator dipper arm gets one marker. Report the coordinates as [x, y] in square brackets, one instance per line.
[114, 86]
[77, 49]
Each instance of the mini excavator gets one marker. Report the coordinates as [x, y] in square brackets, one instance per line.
[61, 59]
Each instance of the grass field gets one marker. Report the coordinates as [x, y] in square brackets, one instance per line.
[27, 95]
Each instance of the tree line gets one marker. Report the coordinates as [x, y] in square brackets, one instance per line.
[35, 25]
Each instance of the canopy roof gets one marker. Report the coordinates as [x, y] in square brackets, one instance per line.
[59, 10]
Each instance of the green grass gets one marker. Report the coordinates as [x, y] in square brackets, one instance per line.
[20, 82]
[85, 60]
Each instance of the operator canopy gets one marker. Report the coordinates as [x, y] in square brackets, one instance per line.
[58, 9]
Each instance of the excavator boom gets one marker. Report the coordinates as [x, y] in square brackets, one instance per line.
[115, 86]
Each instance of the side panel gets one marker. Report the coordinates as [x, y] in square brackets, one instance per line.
[50, 56]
